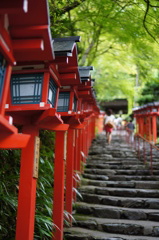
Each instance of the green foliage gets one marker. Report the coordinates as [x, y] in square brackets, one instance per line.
[149, 93]
[9, 177]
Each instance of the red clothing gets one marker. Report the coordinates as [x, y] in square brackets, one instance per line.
[108, 129]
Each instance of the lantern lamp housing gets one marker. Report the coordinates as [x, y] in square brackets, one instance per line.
[26, 88]
[63, 102]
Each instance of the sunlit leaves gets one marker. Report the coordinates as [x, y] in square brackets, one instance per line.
[119, 36]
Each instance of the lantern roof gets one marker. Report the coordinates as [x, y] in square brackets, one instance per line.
[145, 106]
[85, 72]
[71, 38]
[30, 33]
[64, 46]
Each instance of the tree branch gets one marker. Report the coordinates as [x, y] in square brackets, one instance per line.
[87, 51]
[71, 6]
[144, 20]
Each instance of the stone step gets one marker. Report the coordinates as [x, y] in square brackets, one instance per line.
[109, 157]
[109, 148]
[125, 192]
[121, 165]
[114, 160]
[123, 184]
[96, 177]
[137, 172]
[120, 177]
[76, 233]
[120, 162]
[132, 177]
[120, 172]
[148, 203]
[115, 212]
[112, 164]
[119, 226]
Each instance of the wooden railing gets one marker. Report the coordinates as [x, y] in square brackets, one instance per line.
[146, 150]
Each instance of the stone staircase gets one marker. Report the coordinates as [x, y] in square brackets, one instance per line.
[120, 198]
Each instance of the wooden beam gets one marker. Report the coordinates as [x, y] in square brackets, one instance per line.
[47, 113]
[9, 6]
[27, 44]
[70, 69]
[84, 93]
[54, 126]
[70, 76]
[14, 141]
[77, 126]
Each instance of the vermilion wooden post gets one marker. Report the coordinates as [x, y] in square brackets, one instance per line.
[82, 149]
[69, 172]
[144, 128]
[141, 126]
[79, 167]
[85, 140]
[87, 137]
[27, 188]
[154, 128]
[58, 201]
[137, 125]
[149, 128]
[93, 128]
[82, 157]
[138, 121]
[75, 162]
[91, 131]
[88, 134]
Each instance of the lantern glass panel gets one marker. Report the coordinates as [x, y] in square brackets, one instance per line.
[63, 102]
[2, 72]
[52, 92]
[26, 88]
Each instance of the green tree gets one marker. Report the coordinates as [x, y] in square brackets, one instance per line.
[149, 93]
[120, 32]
